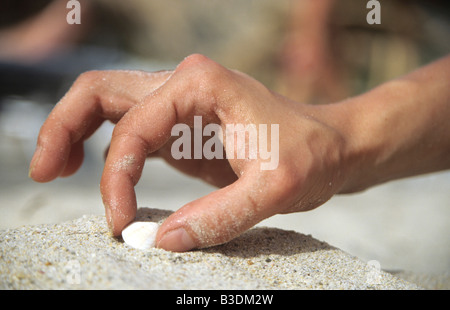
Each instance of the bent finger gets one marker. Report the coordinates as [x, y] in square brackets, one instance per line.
[94, 97]
[142, 130]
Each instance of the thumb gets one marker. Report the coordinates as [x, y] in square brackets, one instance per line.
[215, 218]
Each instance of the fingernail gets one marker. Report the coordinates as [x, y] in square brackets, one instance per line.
[35, 159]
[177, 240]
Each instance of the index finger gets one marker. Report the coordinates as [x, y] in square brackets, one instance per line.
[142, 130]
[146, 127]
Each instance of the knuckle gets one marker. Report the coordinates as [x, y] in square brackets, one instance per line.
[206, 73]
[89, 75]
[202, 80]
[88, 79]
[193, 59]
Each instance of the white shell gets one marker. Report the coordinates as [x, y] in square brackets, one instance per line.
[140, 235]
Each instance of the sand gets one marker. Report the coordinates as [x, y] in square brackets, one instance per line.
[81, 254]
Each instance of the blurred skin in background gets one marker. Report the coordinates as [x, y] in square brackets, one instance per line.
[309, 68]
[310, 51]
[38, 30]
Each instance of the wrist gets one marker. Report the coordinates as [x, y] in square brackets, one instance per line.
[399, 129]
[377, 134]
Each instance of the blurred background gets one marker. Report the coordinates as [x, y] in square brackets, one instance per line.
[311, 51]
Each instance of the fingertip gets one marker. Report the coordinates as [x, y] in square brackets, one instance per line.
[211, 220]
[177, 240]
[75, 160]
[119, 177]
[34, 161]
[175, 233]
[217, 217]
[119, 201]
[52, 154]
[39, 170]
[117, 219]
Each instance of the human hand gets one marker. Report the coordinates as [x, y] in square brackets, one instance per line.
[313, 153]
